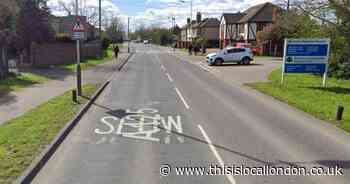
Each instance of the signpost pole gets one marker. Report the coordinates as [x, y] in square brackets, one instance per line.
[284, 60]
[79, 88]
[324, 78]
[326, 71]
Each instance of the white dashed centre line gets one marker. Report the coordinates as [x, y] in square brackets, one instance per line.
[182, 98]
[216, 153]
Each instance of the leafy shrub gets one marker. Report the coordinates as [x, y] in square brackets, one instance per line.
[105, 43]
[63, 37]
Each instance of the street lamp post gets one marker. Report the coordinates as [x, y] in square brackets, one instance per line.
[100, 24]
[191, 6]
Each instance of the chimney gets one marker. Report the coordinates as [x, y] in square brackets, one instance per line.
[199, 17]
[188, 20]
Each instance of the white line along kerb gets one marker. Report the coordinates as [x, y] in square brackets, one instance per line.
[169, 77]
[182, 98]
[216, 153]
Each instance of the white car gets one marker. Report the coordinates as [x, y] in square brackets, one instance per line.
[145, 41]
[237, 55]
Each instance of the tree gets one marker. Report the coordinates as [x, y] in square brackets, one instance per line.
[115, 30]
[33, 25]
[8, 9]
[68, 7]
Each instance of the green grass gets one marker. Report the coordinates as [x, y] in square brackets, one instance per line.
[17, 82]
[305, 92]
[23, 138]
[90, 62]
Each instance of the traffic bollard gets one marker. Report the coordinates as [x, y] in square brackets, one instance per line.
[74, 96]
[340, 110]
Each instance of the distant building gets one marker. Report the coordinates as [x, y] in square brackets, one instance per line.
[64, 25]
[207, 29]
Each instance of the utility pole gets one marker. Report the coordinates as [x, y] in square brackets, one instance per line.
[100, 24]
[173, 33]
[128, 34]
[79, 89]
[288, 5]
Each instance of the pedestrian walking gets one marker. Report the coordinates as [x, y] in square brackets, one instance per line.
[195, 50]
[116, 52]
[190, 49]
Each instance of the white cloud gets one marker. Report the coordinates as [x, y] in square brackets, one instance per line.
[208, 8]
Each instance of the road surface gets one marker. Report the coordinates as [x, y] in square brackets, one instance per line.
[163, 111]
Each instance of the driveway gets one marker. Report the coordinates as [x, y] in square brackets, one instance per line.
[258, 71]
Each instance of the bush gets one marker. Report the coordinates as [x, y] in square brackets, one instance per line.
[105, 43]
[63, 37]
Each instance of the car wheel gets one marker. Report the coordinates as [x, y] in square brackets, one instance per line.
[246, 61]
[218, 62]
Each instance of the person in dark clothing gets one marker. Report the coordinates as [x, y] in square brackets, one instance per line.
[190, 49]
[116, 52]
[195, 49]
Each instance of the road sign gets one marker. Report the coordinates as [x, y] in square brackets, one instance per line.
[78, 26]
[306, 56]
[78, 30]
[77, 35]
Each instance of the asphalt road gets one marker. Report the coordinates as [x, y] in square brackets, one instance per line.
[162, 110]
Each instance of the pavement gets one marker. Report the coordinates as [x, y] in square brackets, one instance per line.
[17, 103]
[160, 111]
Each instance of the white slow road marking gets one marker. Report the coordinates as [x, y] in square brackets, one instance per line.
[182, 98]
[169, 77]
[216, 153]
[163, 68]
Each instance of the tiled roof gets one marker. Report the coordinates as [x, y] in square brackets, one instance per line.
[259, 13]
[210, 22]
[231, 18]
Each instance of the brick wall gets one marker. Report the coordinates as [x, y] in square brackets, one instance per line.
[62, 53]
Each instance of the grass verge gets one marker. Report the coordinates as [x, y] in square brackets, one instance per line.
[23, 138]
[17, 82]
[305, 92]
[91, 62]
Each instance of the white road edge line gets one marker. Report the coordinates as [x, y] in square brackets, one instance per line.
[182, 98]
[169, 77]
[216, 153]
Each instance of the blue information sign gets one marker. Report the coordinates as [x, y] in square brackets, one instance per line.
[306, 56]
[305, 68]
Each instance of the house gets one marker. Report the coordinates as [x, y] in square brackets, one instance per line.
[63, 25]
[184, 41]
[243, 27]
[230, 28]
[207, 28]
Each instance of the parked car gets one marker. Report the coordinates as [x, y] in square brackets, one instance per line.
[145, 41]
[231, 55]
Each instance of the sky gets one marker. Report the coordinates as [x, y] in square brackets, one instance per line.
[159, 12]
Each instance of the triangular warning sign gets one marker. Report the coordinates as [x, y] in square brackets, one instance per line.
[78, 27]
